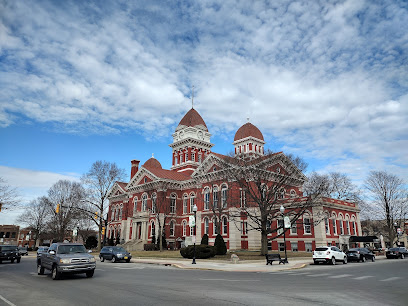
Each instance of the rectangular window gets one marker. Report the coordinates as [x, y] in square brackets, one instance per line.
[244, 228]
[341, 228]
[215, 197]
[224, 197]
[348, 227]
[191, 230]
[243, 198]
[173, 205]
[154, 204]
[281, 247]
[280, 227]
[193, 157]
[294, 246]
[184, 228]
[326, 223]
[334, 226]
[206, 226]
[13, 235]
[269, 245]
[308, 246]
[307, 226]
[293, 228]
[354, 228]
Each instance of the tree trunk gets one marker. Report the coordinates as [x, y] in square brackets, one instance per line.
[264, 243]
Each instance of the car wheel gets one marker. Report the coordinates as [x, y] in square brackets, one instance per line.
[40, 270]
[12, 261]
[18, 260]
[363, 259]
[89, 274]
[1, 262]
[333, 261]
[402, 256]
[102, 259]
[113, 259]
[55, 274]
[345, 260]
[128, 260]
[373, 259]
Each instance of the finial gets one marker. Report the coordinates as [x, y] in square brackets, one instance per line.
[192, 98]
[248, 119]
[152, 155]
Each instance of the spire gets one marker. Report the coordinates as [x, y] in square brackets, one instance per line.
[192, 98]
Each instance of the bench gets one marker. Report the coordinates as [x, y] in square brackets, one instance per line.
[270, 258]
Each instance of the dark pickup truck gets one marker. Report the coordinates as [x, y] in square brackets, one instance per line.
[9, 252]
[64, 258]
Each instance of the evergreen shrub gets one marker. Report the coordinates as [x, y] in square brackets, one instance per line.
[203, 251]
[204, 240]
[220, 246]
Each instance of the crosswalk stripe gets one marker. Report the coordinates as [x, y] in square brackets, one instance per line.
[362, 277]
[390, 279]
[340, 276]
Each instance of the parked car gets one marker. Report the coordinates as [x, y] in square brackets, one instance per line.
[396, 253]
[42, 249]
[63, 258]
[329, 254]
[9, 252]
[360, 254]
[23, 251]
[114, 253]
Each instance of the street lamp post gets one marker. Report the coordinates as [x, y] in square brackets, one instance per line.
[396, 231]
[282, 210]
[195, 233]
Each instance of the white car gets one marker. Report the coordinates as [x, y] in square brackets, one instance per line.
[329, 254]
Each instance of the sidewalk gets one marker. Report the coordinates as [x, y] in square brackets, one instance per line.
[217, 265]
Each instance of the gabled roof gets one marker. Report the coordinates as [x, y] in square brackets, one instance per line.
[169, 174]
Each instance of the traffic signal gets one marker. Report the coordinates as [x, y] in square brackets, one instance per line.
[96, 215]
[57, 210]
[103, 230]
[0, 206]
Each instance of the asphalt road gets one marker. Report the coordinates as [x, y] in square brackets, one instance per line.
[372, 283]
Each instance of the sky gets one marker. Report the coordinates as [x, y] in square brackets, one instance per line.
[82, 81]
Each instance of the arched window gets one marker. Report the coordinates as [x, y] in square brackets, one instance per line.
[175, 160]
[172, 227]
[215, 196]
[224, 190]
[154, 201]
[281, 193]
[206, 198]
[224, 226]
[192, 197]
[120, 212]
[144, 202]
[185, 203]
[152, 229]
[334, 224]
[307, 225]
[206, 226]
[173, 204]
[292, 193]
[347, 225]
[184, 228]
[191, 230]
[326, 224]
[341, 224]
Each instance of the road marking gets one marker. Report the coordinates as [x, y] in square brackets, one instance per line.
[317, 275]
[229, 280]
[363, 277]
[99, 269]
[340, 276]
[7, 301]
[37, 275]
[131, 268]
[301, 273]
[390, 279]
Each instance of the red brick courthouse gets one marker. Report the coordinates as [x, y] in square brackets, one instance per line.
[132, 208]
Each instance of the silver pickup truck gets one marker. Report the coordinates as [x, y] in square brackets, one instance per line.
[64, 258]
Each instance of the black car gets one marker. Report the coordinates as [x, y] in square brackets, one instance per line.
[396, 253]
[115, 254]
[23, 251]
[42, 249]
[9, 252]
[360, 254]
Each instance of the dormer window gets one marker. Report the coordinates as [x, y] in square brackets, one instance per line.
[215, 169]
[193, 157]
[278, 170]
[145, 179]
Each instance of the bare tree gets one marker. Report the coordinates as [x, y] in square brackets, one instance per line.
[63, 201]
[388, 200]
[36, 216]
[261, 192]
[8, 196]
[161, 209]
[99, 180]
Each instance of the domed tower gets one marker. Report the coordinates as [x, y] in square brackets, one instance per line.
[249, 140]
[191, 142]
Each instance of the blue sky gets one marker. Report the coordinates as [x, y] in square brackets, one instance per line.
[82, 81]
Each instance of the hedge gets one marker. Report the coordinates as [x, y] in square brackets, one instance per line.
[202, 251]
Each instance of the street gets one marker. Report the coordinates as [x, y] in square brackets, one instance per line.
[383, 282]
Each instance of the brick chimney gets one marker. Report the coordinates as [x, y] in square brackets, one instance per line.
[134, 168]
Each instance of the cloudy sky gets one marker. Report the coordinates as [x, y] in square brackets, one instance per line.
[82, 81]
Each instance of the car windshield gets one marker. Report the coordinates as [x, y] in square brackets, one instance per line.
[353, 251]
[120, 250]
[9, 248]
[394, 249]
[321, 249]
[69, 249]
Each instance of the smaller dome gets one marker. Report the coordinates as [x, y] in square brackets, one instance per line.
[152, 163]
[248, 129]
